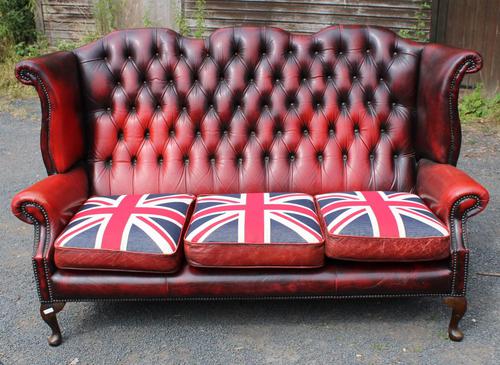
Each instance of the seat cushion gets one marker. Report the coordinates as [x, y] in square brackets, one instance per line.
[125, 233]
[381, 226]
[254, 230]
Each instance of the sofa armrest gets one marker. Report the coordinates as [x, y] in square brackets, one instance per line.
[56, 79]
[52, 201]
[449, 192]
[438, 132]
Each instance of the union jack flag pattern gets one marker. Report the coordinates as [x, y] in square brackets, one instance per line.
[255, 218]
[379, 214]
[150, 223]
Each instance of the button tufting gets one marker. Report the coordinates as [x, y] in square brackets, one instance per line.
[108, 109]
[395, 156]
[341, 53]
[240, 160]
[157, 54]
[292, 157]
[171, 133]
[320, 156]
[158, 106]
[147, 134]
[372, 157]
[186, 160]
[344, 157]
[252, 133]
[108, 162]
[133, 161]
[368, 51]
[212, 160]
[393, 104]
[120, 135]
[159, 160]
[306, 132]
[356, 129]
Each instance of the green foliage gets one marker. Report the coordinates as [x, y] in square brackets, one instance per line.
[199, 18]
[106, 15]
[476, 106]
[419, 32]
[17, 24]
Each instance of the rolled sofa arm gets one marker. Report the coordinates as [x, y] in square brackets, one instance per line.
[56, 79]
[52, 201]
[49, 205]
[449, 192]
[442, 68]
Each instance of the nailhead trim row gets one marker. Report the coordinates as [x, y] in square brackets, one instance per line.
[466, 65]
[464, 238]
[28, 76]
[178, 299]
[46, 242]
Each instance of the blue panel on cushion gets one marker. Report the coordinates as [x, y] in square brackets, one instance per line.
[379, 214]
[255, 218]
[149, 223]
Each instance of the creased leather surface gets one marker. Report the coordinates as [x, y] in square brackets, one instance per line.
[250, 109]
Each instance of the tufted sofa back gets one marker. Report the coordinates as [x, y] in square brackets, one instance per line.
[250, 109]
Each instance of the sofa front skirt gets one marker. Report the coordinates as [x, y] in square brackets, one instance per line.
[335, 279]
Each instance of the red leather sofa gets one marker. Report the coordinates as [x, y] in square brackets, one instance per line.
[330, 155]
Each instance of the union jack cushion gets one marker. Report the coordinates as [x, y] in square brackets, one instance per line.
[125, 232]
[381, 226]
[255, 230]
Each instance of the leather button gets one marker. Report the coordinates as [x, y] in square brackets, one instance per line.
[120, 135]
[160, 160]
[252, 133]
[157, 54]
[240, 160]
[158, 106]
[129, 57]
[369, 102]
[343, 103]
[382, 130]
[198, 133]
[395, 156]
[356, 129]
[147, 134]
[320, 157]
[292, 157]
[393, 104]
[341, 53]
[368, 51]
[171, 133]
[212, 160]
[133, 161]
[372, 157]
[306, 132]
[354, 77]
[344, 157]
[395, 53]
[381, 79]
[108, 109]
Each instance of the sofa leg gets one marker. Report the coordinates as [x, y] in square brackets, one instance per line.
[459, 307]
[49, 315]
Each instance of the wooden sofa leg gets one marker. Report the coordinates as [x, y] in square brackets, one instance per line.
[459, 307]
[49, 315]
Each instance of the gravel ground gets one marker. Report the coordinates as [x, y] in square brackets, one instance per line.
[406, 331]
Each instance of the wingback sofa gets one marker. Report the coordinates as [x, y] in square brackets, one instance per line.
[255, 163]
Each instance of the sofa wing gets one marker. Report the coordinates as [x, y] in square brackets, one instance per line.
[55, 77]
[442, 68]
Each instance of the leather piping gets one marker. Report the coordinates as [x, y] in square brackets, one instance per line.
[29, 77]
[467, 65]
[36, 244]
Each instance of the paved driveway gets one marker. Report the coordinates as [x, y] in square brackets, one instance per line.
[402, 331]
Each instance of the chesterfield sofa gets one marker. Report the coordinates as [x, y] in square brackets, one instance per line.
[253, 164]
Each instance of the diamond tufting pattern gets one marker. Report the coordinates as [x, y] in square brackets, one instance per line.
[250, 109]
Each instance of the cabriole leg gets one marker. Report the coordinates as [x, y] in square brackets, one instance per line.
[49, 315]
[459, 307]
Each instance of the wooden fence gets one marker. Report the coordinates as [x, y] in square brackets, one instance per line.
[462, 23]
